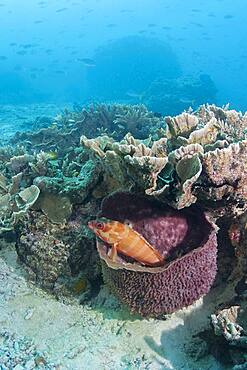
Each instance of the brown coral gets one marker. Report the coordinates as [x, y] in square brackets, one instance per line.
[200, 158]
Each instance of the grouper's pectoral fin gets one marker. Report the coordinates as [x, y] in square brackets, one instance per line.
[112, 254]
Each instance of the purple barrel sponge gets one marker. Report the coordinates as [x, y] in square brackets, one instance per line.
[186, 239]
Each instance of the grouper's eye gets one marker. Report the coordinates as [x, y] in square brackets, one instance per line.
[100, 225]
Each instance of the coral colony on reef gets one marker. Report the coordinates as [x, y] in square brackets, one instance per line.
[180, 181]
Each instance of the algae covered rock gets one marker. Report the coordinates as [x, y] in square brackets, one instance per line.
[57, 256]
[75, 176]
[57, 208]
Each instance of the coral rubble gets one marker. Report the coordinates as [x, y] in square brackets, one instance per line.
[19, 352]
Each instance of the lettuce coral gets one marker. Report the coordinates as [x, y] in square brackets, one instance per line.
[200, 157]
[14, 201]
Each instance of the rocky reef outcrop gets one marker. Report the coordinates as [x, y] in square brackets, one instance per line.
[60, 257]
[172, 96]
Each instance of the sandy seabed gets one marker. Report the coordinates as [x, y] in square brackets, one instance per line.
[39, 332]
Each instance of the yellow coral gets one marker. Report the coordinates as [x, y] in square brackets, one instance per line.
[205, 135]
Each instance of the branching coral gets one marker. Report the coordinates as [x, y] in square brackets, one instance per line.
[136, 120]
[116, 120]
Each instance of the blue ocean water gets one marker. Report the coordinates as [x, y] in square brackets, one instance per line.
[127, 51]
[56, 58]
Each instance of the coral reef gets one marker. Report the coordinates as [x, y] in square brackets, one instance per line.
[200, 158]
[227, 337]
[172, 96]
[138, 69]
[55, 187]
[187, 240]
[181, 175]
[50, 186]
[53, 244]
[116, 120]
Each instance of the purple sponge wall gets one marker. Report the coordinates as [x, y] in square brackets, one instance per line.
[187, 240]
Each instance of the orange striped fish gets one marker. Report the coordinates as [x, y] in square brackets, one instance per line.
[123, 239]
